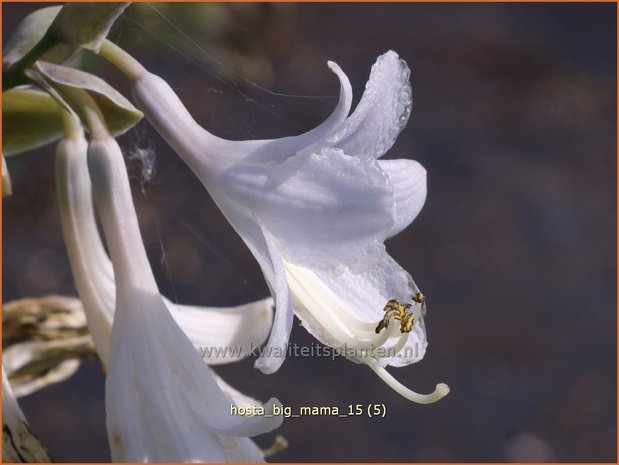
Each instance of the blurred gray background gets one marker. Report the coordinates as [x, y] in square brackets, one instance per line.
[514, 119]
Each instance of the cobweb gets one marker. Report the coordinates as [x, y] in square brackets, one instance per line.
[174, 48]
[259, 110]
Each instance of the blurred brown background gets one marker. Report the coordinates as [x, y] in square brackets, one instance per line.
[514, 120]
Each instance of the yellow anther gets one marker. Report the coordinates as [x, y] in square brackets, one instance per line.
[398, 311]
[406, 325]
[384, 323]
[391, 306]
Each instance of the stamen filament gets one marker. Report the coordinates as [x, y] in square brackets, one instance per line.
[398, 346]
[362, 325]
[337, 322]
[377, 340]
[440, 391]
[314, 303]
[305, 279]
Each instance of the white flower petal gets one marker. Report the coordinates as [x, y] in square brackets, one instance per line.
[408, 181]
[260, 243]
[320, 208]
[203, 150]
[245, 327]
[153, 364]
[366, 292]
[382, 113]
[343, 309]
[274, 353]
[316, 218]
[7, 188]
[91, 267]
[274, 150]
[225, 335]
[236, 397]
[162, 401]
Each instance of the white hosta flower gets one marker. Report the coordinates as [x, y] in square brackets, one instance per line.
[240, 328]
[162, 401]
[315, 211]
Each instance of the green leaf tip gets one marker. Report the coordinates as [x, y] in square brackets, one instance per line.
[85, 24]
[119, 113]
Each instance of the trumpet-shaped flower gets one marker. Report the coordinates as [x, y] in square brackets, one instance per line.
[240, 328]
[315, 211]
[244, 327]
[162, 401]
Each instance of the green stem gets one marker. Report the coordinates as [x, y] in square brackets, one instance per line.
[71, 123]
[122, 60]
[88, 110]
